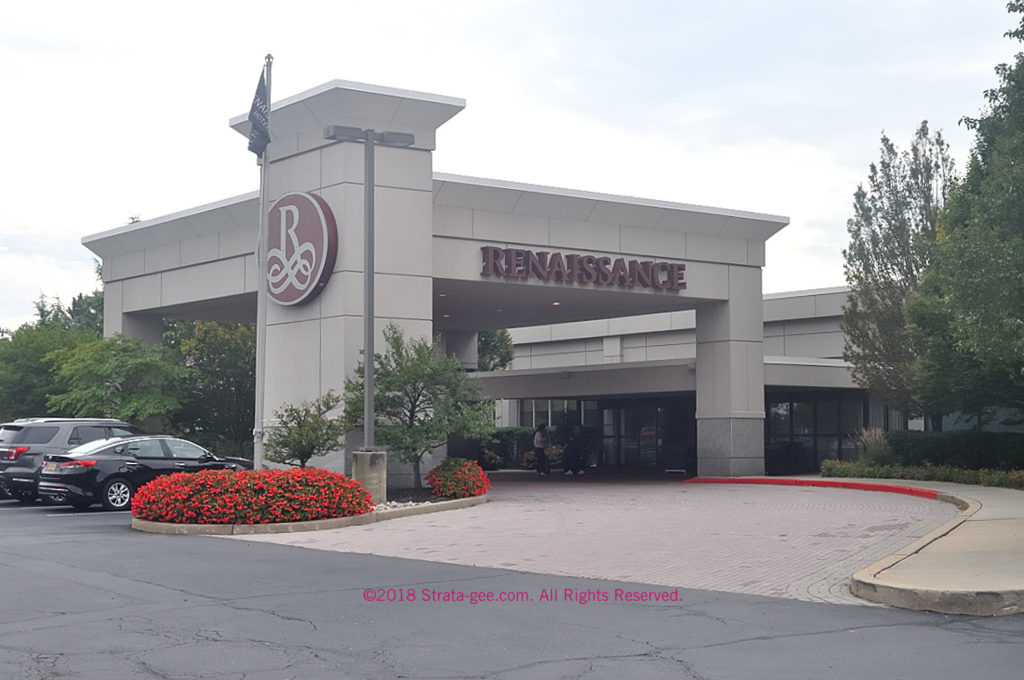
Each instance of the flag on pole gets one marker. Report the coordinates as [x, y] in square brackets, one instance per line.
[259, 116]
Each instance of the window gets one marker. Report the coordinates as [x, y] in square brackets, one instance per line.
[36, 435]
[84, 434]
[118, 431]
[526, 413]
[146, 448]
[183, 449]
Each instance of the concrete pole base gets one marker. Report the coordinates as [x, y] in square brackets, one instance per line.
[371, 468]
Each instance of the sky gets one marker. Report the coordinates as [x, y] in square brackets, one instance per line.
[113, 110]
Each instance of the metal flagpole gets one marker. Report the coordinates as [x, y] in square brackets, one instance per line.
[368, 274]
[261, 292]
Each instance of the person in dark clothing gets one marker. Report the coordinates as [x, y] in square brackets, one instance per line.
[575, 452]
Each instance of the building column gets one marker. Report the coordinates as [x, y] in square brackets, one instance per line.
[730, 380]
[463, 346]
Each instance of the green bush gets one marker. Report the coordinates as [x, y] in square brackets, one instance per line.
[510, 443]
[1012, 479]
[967, 449]
[875, 448]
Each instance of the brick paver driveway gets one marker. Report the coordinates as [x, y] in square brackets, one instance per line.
[795, 542]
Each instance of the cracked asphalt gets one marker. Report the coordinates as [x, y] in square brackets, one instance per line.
[84, 596]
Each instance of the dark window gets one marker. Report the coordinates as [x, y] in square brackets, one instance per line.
[119, 431]
[826, 419]
[779, 419]
[146, 448]
[86, 433]
[36, 435]
[803, 417]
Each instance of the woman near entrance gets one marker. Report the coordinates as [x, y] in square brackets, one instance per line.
[540, 444]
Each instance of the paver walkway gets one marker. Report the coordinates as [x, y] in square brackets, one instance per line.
[795, 542]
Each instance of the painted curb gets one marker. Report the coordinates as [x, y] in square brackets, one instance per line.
[831, 483]
[867, 584]
[313, 525]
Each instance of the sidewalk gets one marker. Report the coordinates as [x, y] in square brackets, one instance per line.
[972, 564]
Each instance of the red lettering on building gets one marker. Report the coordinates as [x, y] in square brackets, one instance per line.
[519, 263]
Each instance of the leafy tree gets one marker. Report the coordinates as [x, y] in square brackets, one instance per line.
[892, 235]
[421, 398]
[122, 378]
[26, 377]
[305, 431]
[495, 350]
[85, 313]
[220, 404]
[977, 282]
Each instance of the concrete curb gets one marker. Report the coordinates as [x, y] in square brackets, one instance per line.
[869, 584]
[314, 525]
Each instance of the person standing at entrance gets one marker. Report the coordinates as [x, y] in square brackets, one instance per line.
[540, 445]
[575, 453]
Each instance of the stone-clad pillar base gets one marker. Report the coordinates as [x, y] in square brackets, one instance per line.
[371, 468]
[730, 447]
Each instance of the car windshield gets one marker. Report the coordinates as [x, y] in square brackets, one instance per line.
[90, 447]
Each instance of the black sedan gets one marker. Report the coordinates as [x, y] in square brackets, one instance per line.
[109, 471]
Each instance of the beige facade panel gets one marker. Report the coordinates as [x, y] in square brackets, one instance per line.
[577, 236]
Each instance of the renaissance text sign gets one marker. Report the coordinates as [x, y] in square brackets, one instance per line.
[302, 245]
[519, 263]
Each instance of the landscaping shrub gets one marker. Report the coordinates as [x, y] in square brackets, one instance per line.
[251, 497]
[489, 460]
[1012, 479]
[510, 443]
[875, 448]
[554, 452]
[968, 449]
[458, 478]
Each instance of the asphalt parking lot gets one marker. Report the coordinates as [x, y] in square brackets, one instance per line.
[85, 597]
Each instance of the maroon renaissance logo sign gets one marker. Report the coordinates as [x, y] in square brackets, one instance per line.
[302, 245]
[519, 263]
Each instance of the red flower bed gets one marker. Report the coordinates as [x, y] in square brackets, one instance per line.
[458, 478]
[251, 497]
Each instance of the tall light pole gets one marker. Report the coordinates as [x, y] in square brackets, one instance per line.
[370, 139]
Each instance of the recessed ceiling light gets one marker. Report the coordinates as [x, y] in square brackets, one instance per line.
[442, 295]
[499, 309]
[555, 303]
[447, 316]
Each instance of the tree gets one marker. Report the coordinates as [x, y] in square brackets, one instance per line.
[305, 431]
[892, 236]
[220, 404]
[421, 397]
[85, 313]
[495, 350]
[121, 378]
[26, 378]
[977, 281]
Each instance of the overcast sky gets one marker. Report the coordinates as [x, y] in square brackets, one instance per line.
[112, 110]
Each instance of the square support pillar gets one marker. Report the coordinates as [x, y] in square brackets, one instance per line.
[730, 380]
[371, 468]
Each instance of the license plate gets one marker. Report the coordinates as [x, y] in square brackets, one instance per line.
[50, 467]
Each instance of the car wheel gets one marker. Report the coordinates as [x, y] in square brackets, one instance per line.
[25, 497]
[117, 494]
